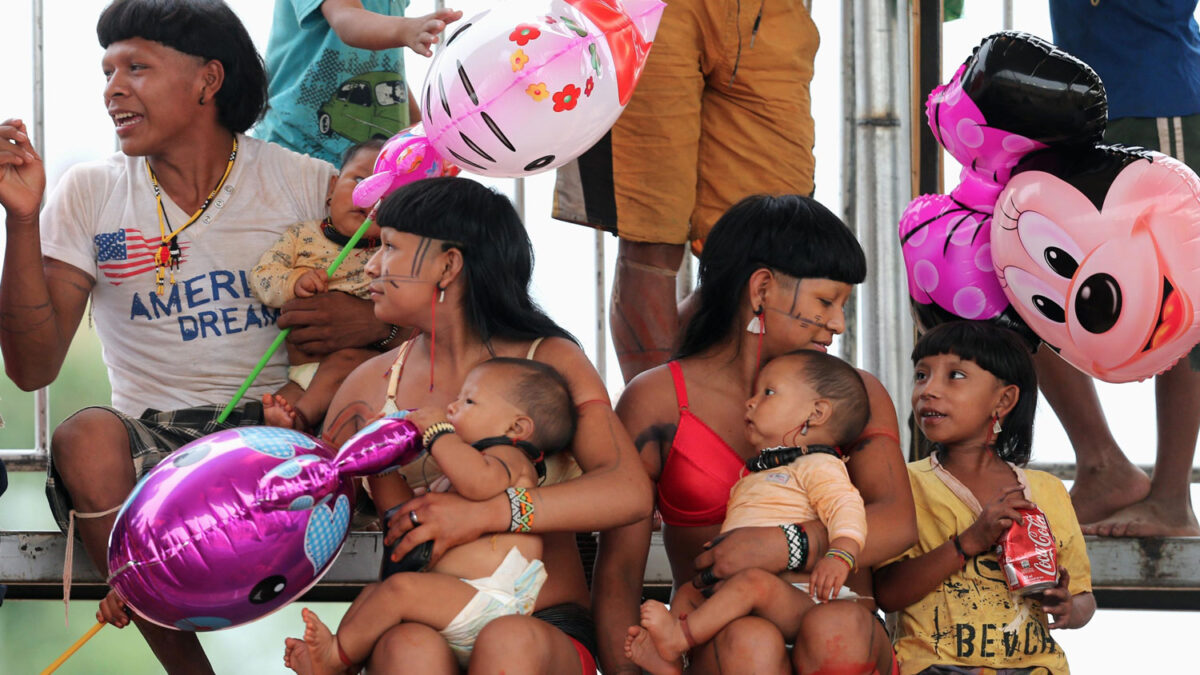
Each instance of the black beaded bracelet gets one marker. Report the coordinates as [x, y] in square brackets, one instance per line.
[386, 342]
[962, 555]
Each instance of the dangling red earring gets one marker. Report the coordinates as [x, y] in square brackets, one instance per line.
[993, 431]
[434, 299]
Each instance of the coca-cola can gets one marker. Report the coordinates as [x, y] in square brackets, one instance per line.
[1028, 555]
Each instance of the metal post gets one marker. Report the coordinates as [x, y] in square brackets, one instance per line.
[519, 197]
[41, 398]
[879, 186]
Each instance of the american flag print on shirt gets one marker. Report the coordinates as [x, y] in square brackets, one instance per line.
[126, 253]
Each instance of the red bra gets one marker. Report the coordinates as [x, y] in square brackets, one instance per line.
[699, 470]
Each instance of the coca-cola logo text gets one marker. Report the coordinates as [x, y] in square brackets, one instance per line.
[1038, 529]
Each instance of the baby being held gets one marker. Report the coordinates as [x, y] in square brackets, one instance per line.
[295, 267]
[807, 408]
[509, 415]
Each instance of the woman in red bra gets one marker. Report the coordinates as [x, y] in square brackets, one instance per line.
[455, 264]
[774, 277]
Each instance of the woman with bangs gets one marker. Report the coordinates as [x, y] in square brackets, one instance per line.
[455, 264]
[775, 275]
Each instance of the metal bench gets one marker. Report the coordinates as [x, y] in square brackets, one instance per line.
[1126, 573]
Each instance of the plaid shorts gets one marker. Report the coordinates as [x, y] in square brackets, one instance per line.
[152, 437]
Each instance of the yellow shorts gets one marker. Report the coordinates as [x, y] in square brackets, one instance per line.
[722, 111]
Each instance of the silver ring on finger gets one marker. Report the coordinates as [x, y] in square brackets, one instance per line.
[412, 518]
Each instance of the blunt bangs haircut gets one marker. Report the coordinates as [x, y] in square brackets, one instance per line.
[1002, 353]
[497, 254]
[205, 28]
[541, 392]
[794, 235]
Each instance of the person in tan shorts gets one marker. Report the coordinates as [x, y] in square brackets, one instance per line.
[721, 112]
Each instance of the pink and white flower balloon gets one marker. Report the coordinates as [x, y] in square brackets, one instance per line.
[525, 87]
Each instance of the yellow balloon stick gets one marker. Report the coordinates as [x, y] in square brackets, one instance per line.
[73, 648]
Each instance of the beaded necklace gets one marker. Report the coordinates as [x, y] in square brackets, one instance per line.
[169, 254]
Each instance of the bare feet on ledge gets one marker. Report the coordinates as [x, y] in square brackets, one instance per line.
[640, 649]
[1101, 490]
[1148, 518]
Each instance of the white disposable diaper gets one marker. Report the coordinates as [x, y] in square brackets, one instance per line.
[511, 589]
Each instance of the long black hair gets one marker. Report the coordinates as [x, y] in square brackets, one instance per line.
[497, 254]
[1005, 355]
[789, 233]
[205, 28]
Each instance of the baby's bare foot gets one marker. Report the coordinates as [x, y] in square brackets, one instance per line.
[639, 648]
[295, 656]
[277, 412]
[664, 630]
[322, 646]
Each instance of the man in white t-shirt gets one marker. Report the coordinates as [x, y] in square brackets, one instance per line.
[161, 238]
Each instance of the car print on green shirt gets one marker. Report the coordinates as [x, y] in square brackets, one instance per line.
[371, 105]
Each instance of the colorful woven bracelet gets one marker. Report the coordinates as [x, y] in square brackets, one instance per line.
[521, 506]
[434, 432]
[844, 556]
[797, 541]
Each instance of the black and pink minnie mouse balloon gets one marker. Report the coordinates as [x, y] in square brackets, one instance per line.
[1010, 250]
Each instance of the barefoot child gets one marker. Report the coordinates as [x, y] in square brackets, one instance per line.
[974, 395]
[807, 405]
[295, 268]
[491, 439]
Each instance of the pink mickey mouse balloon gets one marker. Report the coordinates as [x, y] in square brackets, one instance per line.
[235, 525]
[1015, 94]
[1098, 249]
[404, 158]
[527, 86]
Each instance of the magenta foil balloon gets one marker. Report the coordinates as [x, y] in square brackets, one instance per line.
[235, 525]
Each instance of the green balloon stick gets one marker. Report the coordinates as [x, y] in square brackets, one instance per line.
[262, 363]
